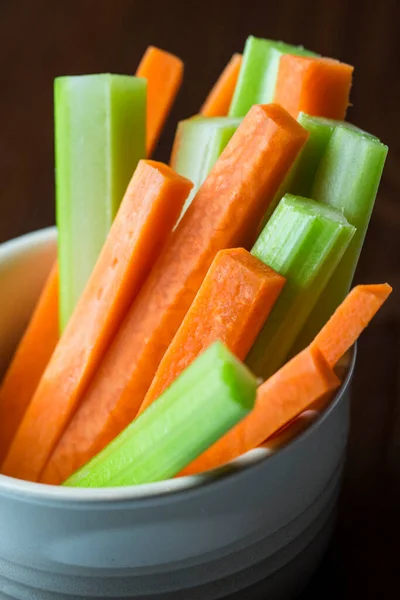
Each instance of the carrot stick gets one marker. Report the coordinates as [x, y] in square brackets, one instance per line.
[280, 399]
[29, 362]
[316, 86]
[219, 99]
[164, 74]
[291, 430]
[349, 320]
[148, 212]
[231, 306]
[225, 213]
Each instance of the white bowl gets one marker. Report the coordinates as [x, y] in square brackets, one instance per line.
[262, 522]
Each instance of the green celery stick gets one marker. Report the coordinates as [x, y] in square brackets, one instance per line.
[213, 394]
[258, 73]
[347, 179]
[201, 140]
[305, 168]
[304, 241]
[99, 139]
[300, 179]
[303, 171]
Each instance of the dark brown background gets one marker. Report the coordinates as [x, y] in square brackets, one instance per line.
[40, 39]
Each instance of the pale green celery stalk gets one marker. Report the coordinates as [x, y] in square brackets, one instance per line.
[201, 140]
[213, 394]
[347, 179]
[258, 73]
[99, 139]
[300, 179]
[304, 241]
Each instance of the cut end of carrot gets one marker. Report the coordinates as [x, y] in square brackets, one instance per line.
[349, 320]
[164, 73]
[381, 291]
[282, 117]
[166, 172]
[316, 86]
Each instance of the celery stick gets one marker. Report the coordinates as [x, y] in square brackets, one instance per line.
[347, 179]
[213, 394]
[258, 74]
[306, 166]
[99, 139]
[300, 179]
[201, 140]
[304, 241]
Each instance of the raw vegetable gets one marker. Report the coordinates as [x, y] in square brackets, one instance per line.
[207, 400]
[316, 86]
[349, 320]
[292, 429]
[300, 179]
[303, 241]
[219, 99]
[231, 305]
[164, 73]
[258, 74]
[347, 179]
[290, 391]
[99, 139]
[303, 172]
[225, 213]
[151, 205]
[198, 144]
[29, 362]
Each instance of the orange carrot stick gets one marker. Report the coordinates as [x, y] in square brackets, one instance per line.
[291, 430]
[219, 99]
[225, 213]
[29, 362]
[280, 399]
[149, 210]
[231, 305]
[349, 320]
[316, 86]
[164, 74]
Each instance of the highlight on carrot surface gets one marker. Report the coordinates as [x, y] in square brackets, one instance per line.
[280, 399]
[164, 74]
[29, 361]
[219, 99]
[231, 305]
[251, 168]
[147, 214]
[316, 86]
[350, 319]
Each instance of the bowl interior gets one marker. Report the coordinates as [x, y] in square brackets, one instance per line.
[24, 265]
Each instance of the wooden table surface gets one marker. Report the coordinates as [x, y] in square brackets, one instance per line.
[40, 39]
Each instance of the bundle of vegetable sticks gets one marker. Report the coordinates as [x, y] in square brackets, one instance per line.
[195, 309]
